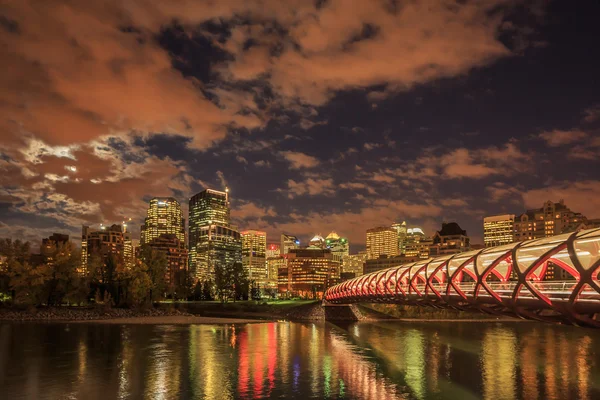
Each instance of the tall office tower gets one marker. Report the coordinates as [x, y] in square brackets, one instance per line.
[273, 250]
[104, 243]
[339, 246]
[402, 231]
[498, 230]
[274, 264]
[451, 239]
[254, 257]
[164, 217]
[288, 242]
[308, 273]
[212, 240]
[382, 240]
[416, 245]
[552, 219]
[177, 257]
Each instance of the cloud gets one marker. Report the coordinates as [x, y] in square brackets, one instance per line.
[299, 160]
[262, 163]
[336, 47]
[311, 187]
[241, 159]
[583, 196]
[73, 74]
[592, 114]
[454, 203]
[353, 224]
[558, 137]
[248, 211]
[371, 146]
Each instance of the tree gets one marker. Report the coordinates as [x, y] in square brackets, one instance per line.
[224, 285]
[140, 285]
[197, 292]
[64, 277]
[28, 281]
[240, 281]
[155, 265]
[207, 290]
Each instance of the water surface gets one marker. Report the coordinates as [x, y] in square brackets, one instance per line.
[449, 360]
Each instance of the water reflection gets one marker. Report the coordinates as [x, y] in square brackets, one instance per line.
[269, 360]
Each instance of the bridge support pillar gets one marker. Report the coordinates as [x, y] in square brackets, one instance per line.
[341, 312]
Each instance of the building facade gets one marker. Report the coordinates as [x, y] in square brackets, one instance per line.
[382, 240]
[254, 256]
[384, 262]
[339, 246]
[176, 253]
[450, 239]
[288, 242]
[105, 242]
[402, 231]
[354, 263]
[549, 220]
[308, 273]
[272, 250]
[498, 230]
[164, 217]
[212, 241]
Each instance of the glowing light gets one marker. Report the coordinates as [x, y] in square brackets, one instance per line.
[71, 168]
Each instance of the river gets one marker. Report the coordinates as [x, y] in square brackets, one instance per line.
[382, 360]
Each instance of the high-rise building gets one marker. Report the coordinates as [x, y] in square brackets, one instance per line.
[177, 257]
[402, 232]
[382, 240]
[104, 243]
[354, 263]
[288, 242]
[549, 220]
[273, 250]
[498, 230]
[274, 264]
[450, 239]
[309, 272]
[254, 260]
[317, 242]
[164, 217]
[385, 262]
[212, 240]
[339, 246]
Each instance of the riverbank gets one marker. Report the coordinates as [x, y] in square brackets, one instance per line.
[169, 320]
[83, 314]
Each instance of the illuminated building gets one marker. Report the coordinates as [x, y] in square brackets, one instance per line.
[384, 262]
[450, 239]
[272, 250]
[176, 253]
[552, 219]
[274, 264]
[164, 217]
[416, 244]
[288, 242]
[402, 232]
[317, 242]
[49, 247]
[339, 246]
[309, 272]
[105, 243]
[354, 263]
[382, 240]
[212, 240]
[254, 249]
[498, 230]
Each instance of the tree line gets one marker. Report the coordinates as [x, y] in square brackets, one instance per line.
[60, 279]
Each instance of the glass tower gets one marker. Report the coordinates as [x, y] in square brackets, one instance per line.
[213, 242]
[164, 217]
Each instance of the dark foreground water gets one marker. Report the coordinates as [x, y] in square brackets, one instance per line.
[459, 360]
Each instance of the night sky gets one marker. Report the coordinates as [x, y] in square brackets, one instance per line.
[328, 115]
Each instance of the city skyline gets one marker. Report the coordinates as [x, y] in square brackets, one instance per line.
[309, 135]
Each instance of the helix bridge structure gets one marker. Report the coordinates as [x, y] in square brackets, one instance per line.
[554, 279]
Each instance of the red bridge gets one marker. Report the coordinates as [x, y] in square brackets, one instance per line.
[552, 279]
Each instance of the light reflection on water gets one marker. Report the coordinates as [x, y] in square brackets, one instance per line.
[281, 359]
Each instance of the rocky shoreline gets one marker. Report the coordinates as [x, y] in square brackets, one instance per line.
[63, 314]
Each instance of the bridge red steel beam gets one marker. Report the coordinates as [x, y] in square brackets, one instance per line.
[482, 279]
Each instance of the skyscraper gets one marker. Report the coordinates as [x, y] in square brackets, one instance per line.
[212, 240]
[402, 231]
[254, 260]
[177, 257]
[273, 250]
[339, 246]
[164, 217]
[450, 239]
[382, 240]
[498, 230]
[288, 242]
